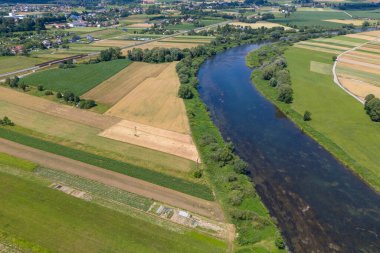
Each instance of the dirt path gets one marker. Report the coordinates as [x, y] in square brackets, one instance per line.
[202, 207]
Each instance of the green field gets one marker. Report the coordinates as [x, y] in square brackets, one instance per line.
[178, 184]
[311, 18]
[373, 14]
[17, 162]
[79, 79]
[14, 63]
[339, 122]
[39, 219]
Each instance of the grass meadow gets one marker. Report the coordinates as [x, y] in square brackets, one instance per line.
[36, 218]
[311, 18]
[9, 160]
[339, 122]
[79, 79]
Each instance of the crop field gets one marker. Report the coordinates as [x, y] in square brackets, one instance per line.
[164, 44]
[258, 24]
[17, 162]
[356, 22]
[360, 73]
[84, 226]
[113, 43]
[79, 79]
[373, 14]
[311, 18]
[155, 102]
[317, 93]
[79, 129]
[115, 88]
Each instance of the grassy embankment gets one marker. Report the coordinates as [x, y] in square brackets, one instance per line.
[339, 122]
[178, 184]
[33, 216]
[79, 80]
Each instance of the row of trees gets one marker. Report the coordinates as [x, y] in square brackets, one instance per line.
[156, 55]
[372, 107]
[273, 69]
[70, 98]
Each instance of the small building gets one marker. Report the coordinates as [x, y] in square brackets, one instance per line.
[184, 214]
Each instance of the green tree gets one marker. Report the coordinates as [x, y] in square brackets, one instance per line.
[307, 116]
[185, 91]
[285, 93]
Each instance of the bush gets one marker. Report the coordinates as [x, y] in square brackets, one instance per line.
[273, 82]
[285, 93]
[59, 95]
[242, 214]
[49, 92]
[372, 107]
[86, 104]
[40, 88]
[6, 122]
[334, 58]
[307, 116]
[235, 197]
[283, 77]
[279, 242]
[198, 173]
[185, 92]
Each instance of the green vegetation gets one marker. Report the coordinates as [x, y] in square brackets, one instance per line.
[345, 130]
[17, 162]
[373, 14]
[13, 63]
[194, 189]
[33, 216]
[372, 107]
[77, 80]
[311, 18]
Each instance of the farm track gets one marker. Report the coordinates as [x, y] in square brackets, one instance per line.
[202, 207]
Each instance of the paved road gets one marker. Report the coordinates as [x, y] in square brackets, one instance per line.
[203, 207]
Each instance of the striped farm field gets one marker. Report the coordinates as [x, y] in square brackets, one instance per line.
[358, 69]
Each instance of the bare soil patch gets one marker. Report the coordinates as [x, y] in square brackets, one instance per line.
[356, 22]
[155, 102]
[203, 207]
[360, 36]
[154, 138]
[112, 90]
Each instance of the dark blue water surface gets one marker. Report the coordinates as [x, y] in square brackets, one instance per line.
[319, 204]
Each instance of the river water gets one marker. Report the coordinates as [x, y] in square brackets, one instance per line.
[319, 204]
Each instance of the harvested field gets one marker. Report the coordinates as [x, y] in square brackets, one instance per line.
[140, 25]
[359, 65]
[361, 58]
[154, 102]
[155, 138]
[360, 36]
[355, 22]
[337, 41]
[80, 128]
[113, 43]
[112, 90]
[371, 48]
[258, 24]
[363, 54]
[163, 45]
[359, 88]
[57, 110]
[324, 45]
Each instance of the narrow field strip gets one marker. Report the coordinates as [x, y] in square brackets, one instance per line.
[194, 189]
[324, 45]
[319, 49]
[337, 41]
[360, 75]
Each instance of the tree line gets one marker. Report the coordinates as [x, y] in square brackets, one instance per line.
[372, 107]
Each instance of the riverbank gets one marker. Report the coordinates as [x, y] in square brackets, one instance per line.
[338, 123]
[256, 230]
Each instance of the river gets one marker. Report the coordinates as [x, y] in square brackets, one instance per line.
[319, 204]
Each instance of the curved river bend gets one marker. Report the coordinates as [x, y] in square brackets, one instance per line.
[319, 204]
